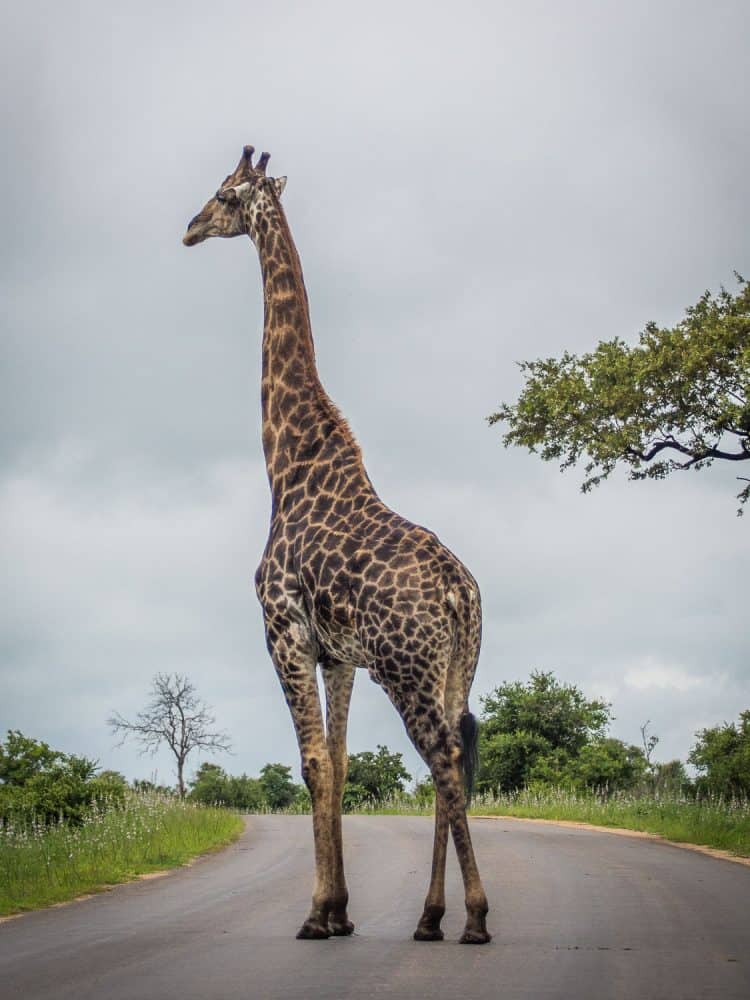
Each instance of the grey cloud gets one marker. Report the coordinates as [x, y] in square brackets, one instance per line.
[467, 189]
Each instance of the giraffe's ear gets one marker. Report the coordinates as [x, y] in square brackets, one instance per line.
[279, 183]
[242, 191]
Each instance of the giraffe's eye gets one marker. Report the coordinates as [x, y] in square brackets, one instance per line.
[227, 197]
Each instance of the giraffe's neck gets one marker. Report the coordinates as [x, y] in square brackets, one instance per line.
[304, 435]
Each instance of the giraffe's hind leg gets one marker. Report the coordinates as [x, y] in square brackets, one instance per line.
[444, 758]
[428, 928]
[439, 744]
[339, 680]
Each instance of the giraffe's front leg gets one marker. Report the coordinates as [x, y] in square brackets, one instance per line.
[294, 655]
[338, 679]
[318, 776]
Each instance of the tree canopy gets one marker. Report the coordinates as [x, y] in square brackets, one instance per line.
[374, 777]
[722, 758]
[679, 399]
[546, 732]
[38, 783]
[211, 785]
[21, 758]
[277, 786]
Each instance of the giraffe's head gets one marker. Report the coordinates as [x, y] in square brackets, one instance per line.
[229, 212]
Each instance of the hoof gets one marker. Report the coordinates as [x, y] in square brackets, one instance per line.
[312, 931]
[340, 928]
[428, 934]
[475, 937]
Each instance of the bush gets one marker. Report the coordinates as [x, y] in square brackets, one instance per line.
[373, 778]
[38, 784]
[670, 779]
[722, 757]
[546, 733]
[213, 786]
[355, 797]
[424, 793]
[278, 788]
[608, 764]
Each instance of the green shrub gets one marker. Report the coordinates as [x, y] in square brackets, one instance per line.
[213, 786]
[424, 793]
[41, 785]
[278, 788]
[374, 777]
[543, 732]
[722, 757]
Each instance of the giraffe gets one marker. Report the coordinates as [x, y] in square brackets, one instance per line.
[345, 582]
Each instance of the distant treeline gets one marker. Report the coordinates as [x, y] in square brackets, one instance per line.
[534, 734]
[372, 778]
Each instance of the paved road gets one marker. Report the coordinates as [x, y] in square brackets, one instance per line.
[575, 914]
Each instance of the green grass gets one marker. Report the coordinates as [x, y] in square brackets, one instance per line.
[44, 865]
[709, 822]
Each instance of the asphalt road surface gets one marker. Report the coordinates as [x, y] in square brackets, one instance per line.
[574, 913]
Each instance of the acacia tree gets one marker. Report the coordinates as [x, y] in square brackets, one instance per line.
[679, 399]
[174, 716]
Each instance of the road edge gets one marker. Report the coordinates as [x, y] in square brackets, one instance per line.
[141, 877]
[712, 852]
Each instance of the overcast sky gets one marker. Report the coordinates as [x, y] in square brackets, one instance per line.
[469, 186]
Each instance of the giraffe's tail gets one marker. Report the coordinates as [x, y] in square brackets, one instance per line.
[469, 729]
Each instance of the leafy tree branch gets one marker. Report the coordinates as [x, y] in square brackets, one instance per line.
[677, 400]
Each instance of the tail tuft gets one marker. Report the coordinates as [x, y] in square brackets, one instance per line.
[469, 728]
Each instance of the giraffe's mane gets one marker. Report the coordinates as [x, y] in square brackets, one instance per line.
[338, 418]
[321, 396]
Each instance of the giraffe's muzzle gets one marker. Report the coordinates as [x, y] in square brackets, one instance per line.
[195, 232]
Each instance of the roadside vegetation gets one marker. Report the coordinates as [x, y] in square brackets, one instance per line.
[723, 824]
[546, 753]
[66, 831]
[709, 821]
[68, 828]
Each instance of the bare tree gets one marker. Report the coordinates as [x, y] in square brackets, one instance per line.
[174, 716]
[649, 742]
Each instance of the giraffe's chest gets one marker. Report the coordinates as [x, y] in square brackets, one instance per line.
[337, 639]
[315, 591]
[330, 597]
